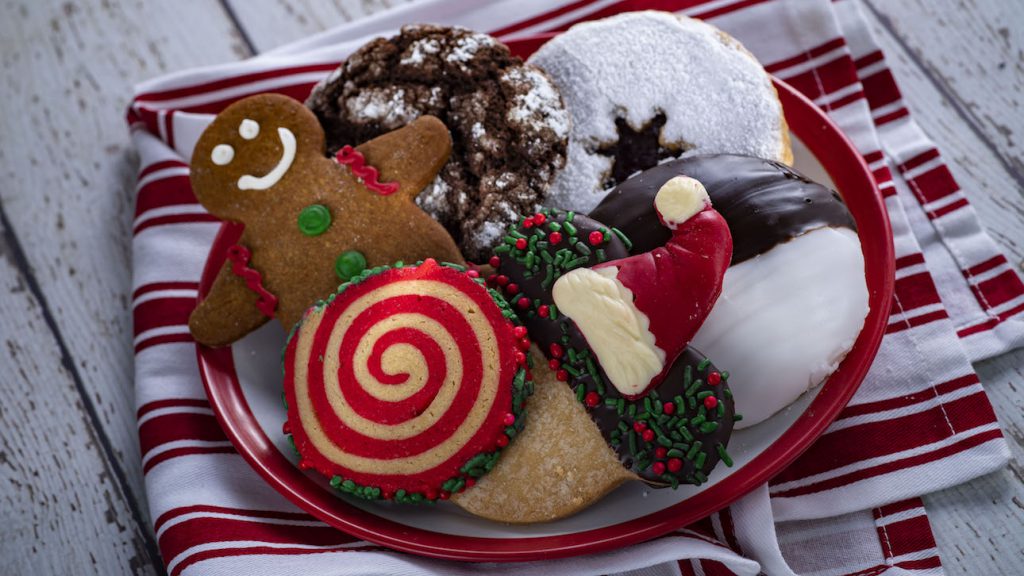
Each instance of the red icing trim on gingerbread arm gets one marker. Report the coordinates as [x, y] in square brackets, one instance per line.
[356, 162]
[239, 257]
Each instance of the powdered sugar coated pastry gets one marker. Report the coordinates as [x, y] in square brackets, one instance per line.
[643, 87]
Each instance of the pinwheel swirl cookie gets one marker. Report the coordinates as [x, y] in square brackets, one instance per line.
[407, 383]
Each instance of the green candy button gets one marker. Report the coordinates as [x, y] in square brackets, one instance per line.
[349, 264]
[314, 219]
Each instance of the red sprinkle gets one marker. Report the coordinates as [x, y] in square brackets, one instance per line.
[521, 244]
[519, 331]
[470, 482]
[639, 426]
[523, 303]
[431, 494]
[512, 288]
[562, 376]
[710, 402]
[509, 419]
[675, 464]
[520, 358]
[540, 218]
[596, 237]
[524, 344]
[492, 279]
[495, 261]
[554, 364]
[501, 279]
[714, 378]
[660, 452]
[473, 273]
[648, 435]
[668, 408]
[543, 311]
[502, 441]
[658, 468]
[555, 237]
[444, 495]
[528, 223]
[556, 350]
[591, 399]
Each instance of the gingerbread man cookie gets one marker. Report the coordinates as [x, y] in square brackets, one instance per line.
[311, 222]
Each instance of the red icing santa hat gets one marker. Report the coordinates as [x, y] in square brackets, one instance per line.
[639, 313]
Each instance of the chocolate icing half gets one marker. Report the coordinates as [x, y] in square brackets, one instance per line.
[765, 203]
[689, 432]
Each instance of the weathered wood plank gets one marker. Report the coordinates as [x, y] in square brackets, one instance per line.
[63, 512]
[991, 178]
[271, 23]
[69, 173]
[974, 49]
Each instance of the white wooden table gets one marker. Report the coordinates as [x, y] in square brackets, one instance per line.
[71, 488]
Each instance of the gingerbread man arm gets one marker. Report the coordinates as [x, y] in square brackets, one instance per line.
[411, 156]
[228, 312]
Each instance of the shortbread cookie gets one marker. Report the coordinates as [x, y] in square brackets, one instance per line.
[407, 383]
[506, 118]
[311, 222]
[795, 296]
[643, 87]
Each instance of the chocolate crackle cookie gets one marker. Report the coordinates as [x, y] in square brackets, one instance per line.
[644, 87]
[508, 124]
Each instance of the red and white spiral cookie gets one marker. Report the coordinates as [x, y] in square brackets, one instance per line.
[407, 383]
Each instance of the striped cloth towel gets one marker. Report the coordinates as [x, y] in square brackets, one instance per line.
[850, 505]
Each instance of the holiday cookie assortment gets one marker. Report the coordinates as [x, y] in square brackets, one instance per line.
[572, 272]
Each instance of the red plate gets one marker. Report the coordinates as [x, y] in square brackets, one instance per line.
[854, 181]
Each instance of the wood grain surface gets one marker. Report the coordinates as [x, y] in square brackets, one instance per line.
[75, 503]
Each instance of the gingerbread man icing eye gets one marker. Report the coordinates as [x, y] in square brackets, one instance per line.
[222, 154]
[248, 129]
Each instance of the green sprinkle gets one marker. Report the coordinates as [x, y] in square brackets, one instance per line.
[685, 434]
[314, 220]
[569, 216]
[724, 455]
[631, 436]
[335, 481]
[554, 226]
[699, 462]
[725, 374]
[737, 417]
[701, 477]
[582, 248]
[675, 453]
[623, 427]
[567, 225]
[705, 394]
[623, 238]
[580, 392]
[708, 427]
[601, 257]
[664, 441]
[694, 450]
[721, 409]
[703, 364]
[694, 387]
[631, 411]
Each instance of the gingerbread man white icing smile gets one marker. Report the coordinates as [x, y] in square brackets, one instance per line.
[249, 129]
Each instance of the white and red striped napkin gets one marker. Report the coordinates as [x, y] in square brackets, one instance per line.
[920, 422]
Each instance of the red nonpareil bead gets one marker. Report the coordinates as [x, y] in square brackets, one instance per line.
[658, 468]
[502, 441]
[519, 331]
[431, 494]
[501, 280]
[524, 344]
[521, 244]
[473, 273]
[639, 426]
[470, 482]
[287, 428]
[710, 402]
[668, 408]
[444, 495]
[528, 223]
[596, 237]
[660, 452]
[555, 237]
[540, 218]
[492, 279]
[523, 303]
[556, 350]
[648, 435]
[512, 288]
[543, 311]
[387, 494]
[509, 419]
[562, 376]
[714, 378]
[520, 358]
[675, 465]
[554, 363]
[591, 399]
[495, 261]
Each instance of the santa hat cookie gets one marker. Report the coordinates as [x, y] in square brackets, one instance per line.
[639, 313]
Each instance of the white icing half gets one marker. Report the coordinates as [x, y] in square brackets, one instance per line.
[715, 95]
[222, 154]
[249, 182]
[618, 332]
[248, 129]
[786, 319]
[680, 199]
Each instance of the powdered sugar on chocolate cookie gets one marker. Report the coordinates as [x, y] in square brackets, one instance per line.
[643, 87]
[509, 126]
